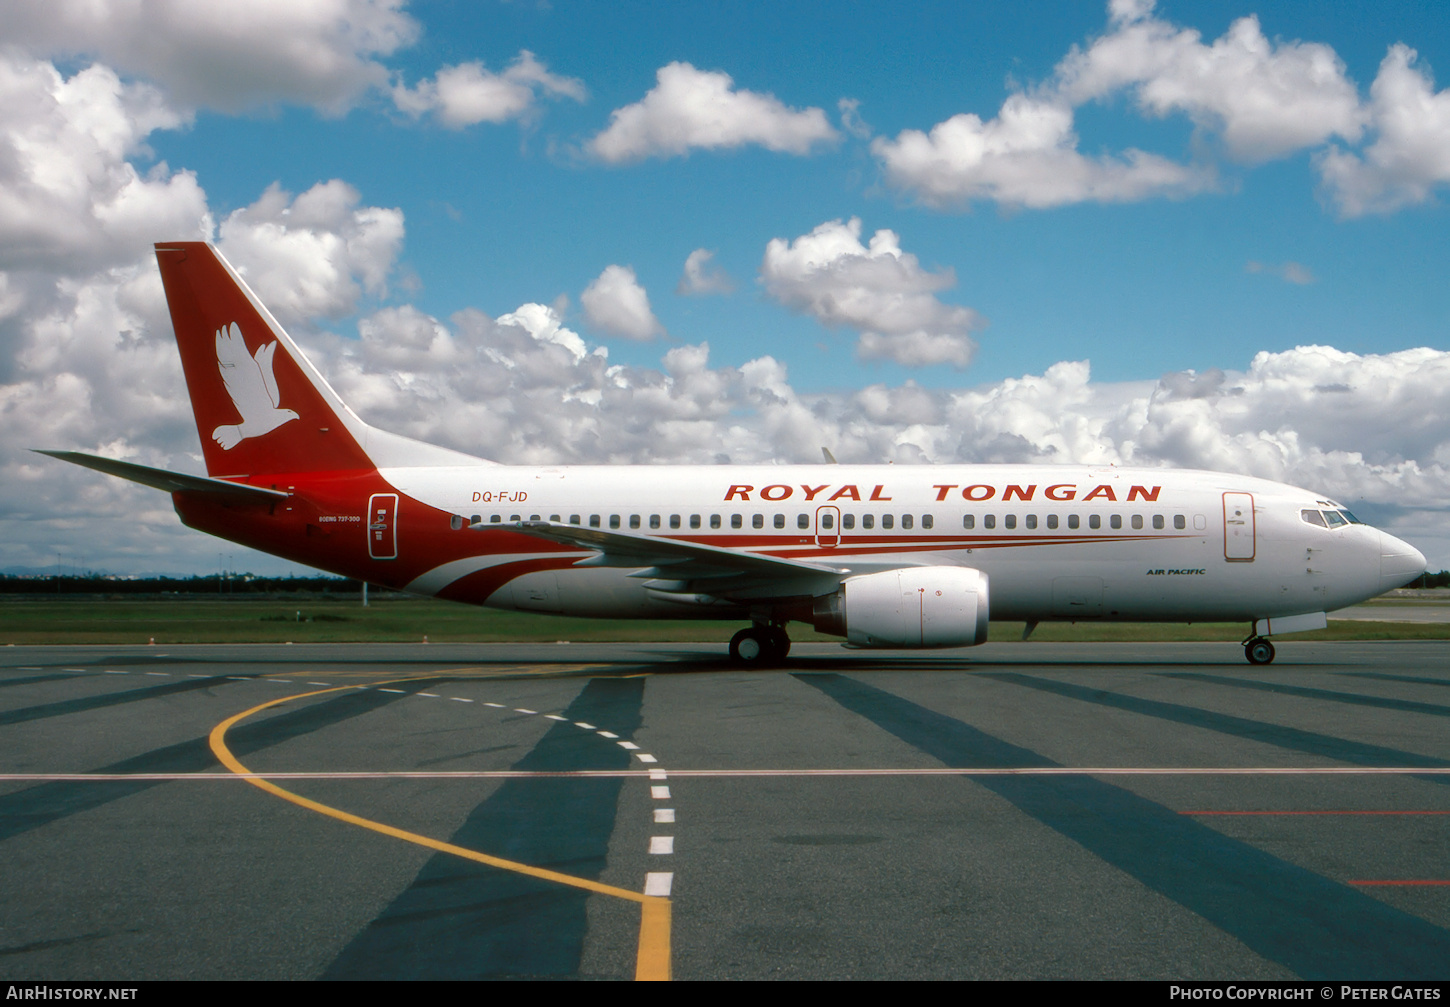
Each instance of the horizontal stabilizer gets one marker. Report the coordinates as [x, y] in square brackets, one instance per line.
[161, 479]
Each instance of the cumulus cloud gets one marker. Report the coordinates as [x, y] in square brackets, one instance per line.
[1252, 99]
[468, 93]
[225, 56]
[1411, 150]
[702, 276]
[1261, 99]
[1289, 272]
[690, 108]
[880, 291]
[315, 254]
[617, 304]
[1026, 156]
[69, 196]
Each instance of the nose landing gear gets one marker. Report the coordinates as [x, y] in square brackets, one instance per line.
[1258, 650]
[760, 645]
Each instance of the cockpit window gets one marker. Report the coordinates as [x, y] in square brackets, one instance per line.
[1350, 517]
[1335, 521]
[1313, 517]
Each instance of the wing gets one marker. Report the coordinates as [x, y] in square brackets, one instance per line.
[240, 374]
[672, 566]
[265, 353]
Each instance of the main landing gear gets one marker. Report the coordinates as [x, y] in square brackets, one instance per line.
[760, 645]
[1258, 650]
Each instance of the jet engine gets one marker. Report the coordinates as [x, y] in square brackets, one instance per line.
[926, 606]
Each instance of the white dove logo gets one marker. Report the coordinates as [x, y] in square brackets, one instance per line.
[252, 386]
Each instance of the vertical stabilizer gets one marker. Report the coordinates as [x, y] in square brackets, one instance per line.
[260, 405]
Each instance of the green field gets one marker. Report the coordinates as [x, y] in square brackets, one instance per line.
[330, 620]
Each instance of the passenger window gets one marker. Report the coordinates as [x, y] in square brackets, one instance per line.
[1010, 521]
[906, 521]
[714, 520]
[614, 520]
[1313, 517]
[1072, 521]
[1095, 521]
[926, 521]
[593, 520]
[1137, 520]
[736, 521]
[1179, 522]
[828, 521]
[533, 517]
[478, 518]
[555, 517]
[654, 520]
[969, 521]
[1116, 521]
[887, 520]
[674, 520]
[573, 518]
[634, 520]
[1052, 521]
[1158, 521]
[1031, 520]
[802, 521]
[515, 517]
[868, 521]
[495, 518]
[779, 521]
[757, 521]
[694, 520]
[989, 521]
[848, 521]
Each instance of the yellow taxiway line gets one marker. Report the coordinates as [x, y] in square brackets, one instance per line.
[652, 960]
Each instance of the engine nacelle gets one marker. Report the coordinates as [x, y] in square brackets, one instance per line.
[927, 606]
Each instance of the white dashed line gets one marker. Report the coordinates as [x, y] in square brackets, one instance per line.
[608, 734]
[430, 695]
[460, 699]
[281, 681]
[496, 706]
[659, 793]
[587, 727]
[625, 744]
[520, 709]
[398, 691]
[75, 669]
[109, 672]
[319, 683]
[243, 678]
[555, 716]
[664, 814]
[164, 674]
[645, 757]
[659, 883]
[662, 844]
[189, 676]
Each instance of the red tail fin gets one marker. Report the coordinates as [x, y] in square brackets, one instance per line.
[260, 405]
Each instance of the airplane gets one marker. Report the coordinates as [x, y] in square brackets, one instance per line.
[885, 556]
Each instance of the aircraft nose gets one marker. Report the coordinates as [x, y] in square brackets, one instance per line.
[1400, 562]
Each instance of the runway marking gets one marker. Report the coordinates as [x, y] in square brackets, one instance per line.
[645, 757]
[664, 815]
[108, 671]
[319, 683]
[607, 734]
[652, 958]
[659, 883]
[1314, 812]
[460, 699]
[164, 674]
[629, 745]
[587, 727]
[660, 845]
[555, 716]
[398, 691]
[520, 709]
[1436, 884]
[659, 793]
[430, 695]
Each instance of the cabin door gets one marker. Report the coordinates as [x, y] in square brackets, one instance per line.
[1239, 543]
[383, 526]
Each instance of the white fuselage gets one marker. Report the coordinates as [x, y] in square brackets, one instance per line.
[1056, 542]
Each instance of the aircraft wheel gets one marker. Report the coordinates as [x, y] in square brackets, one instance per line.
[1259, 651]
[750, 646]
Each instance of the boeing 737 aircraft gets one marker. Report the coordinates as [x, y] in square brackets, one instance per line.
[883, 555]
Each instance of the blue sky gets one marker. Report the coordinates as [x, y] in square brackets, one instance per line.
[1252, 189]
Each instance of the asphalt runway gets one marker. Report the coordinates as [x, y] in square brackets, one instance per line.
[1019, 810]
